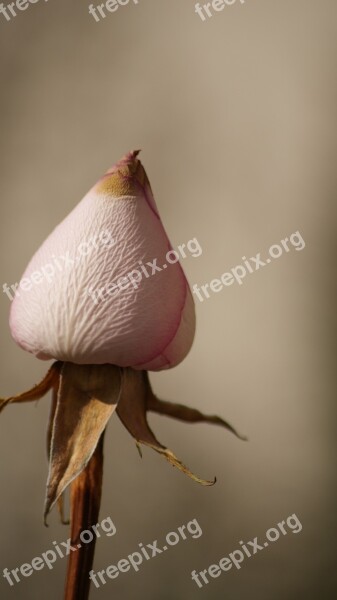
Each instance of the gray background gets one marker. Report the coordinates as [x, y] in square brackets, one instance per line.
[236, 117]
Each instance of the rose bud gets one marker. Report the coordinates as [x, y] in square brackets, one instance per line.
[110, 289]
[105, 297]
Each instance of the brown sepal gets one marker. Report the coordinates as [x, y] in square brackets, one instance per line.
[87, 397]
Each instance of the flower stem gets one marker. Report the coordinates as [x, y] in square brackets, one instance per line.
[85, 500]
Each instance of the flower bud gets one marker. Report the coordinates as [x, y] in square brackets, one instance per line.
[106, 286]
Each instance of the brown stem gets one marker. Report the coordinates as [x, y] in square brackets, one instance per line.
[85, 499]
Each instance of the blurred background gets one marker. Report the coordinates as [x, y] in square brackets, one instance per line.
[236, 118]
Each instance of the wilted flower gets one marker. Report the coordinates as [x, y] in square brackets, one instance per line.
[104, 350]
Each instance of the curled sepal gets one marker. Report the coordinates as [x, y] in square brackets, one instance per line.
[185, 413]
[60, 500]
[175, 462]
[132, 412]
[87, 397]
[50, 380]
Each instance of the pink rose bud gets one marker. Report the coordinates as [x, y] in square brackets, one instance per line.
[105, 286]
[107, 298]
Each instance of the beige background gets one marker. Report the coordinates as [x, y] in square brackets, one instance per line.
[236, 117]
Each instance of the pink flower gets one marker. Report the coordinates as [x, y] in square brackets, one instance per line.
[105, 297]
[146, 324]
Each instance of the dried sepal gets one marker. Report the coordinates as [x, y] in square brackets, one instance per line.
[87, 397]
[60, 500]
[39, 390]
[175, 462]
[185, 413]
[132, 410]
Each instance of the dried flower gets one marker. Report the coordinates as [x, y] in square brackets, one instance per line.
[103, 350]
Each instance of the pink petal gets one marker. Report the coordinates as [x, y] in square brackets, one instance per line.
[150, 326]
